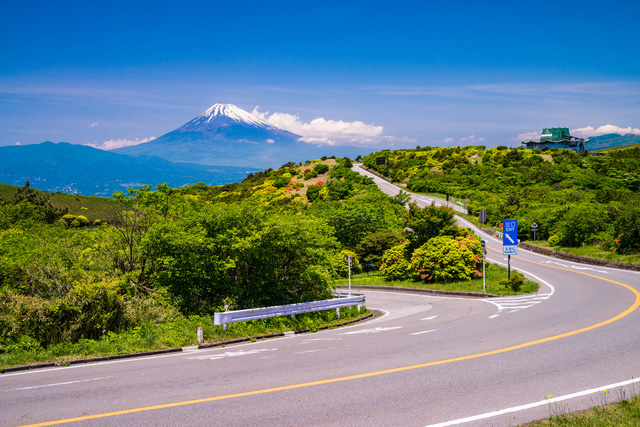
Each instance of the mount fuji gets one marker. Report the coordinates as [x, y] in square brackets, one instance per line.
[225, 135]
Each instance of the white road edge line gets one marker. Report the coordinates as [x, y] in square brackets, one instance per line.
[58, 384]
[535, 404]
[423, 332]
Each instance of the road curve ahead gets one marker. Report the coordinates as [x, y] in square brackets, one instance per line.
[427, 361]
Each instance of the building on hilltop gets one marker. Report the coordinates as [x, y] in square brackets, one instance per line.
[557, 138]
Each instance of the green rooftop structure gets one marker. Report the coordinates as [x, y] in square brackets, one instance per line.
[557, 138]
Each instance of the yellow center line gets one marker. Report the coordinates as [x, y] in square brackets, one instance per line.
[632, 308]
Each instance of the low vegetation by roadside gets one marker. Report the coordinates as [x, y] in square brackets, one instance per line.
[624, 413]
[179, 332]
[495, 276]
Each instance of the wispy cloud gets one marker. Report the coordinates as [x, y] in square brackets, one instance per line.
[93, 125]
[527, 89]
[529, 136]
[321, 131]
[467, 140]
[112, 144]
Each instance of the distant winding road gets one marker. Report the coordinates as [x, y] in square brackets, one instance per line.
[428, 361]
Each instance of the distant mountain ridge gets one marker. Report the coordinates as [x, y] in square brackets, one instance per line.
[227, 135]
[81, 169]
[611, 140]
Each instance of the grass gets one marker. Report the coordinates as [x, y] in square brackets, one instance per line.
[180, 332]
[493, 275]
[626, 412]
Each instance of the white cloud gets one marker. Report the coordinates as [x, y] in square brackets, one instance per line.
[112, 144]
[270, 141]
[471, 139]
[467, 140]
[321, 131]
[603, 130]
[93, 125]
[529, 136]
[18, 143]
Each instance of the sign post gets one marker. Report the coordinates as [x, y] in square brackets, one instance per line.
[509, 241]
[534, 228]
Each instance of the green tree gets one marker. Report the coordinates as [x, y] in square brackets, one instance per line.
[582, 223]
[243, 252]
[341, 263]
[426, 223]
[374, 245]
[41, 202]
[352, 221]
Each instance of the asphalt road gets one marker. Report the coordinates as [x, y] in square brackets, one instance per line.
[428, 361]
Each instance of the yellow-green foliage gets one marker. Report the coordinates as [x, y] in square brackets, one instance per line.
[341, 263]
[446, 259]
[395, 265]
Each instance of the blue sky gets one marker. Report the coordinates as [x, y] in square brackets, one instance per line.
[401, 73]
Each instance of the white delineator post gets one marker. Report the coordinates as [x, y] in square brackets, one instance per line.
[200, 337]
[349, 275]
[484, 279]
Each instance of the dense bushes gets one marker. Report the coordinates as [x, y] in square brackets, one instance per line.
[574, 198]
[88, 311]
[446, 259]
[435, 250]
[241, 252]
[395, 265]
[170, 253]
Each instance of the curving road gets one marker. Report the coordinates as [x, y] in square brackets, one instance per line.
[428, 361]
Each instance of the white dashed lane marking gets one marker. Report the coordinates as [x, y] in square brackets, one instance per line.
[513, 304]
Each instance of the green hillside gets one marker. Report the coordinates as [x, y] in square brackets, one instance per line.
[612, 140]
[167, 258]
[574, 198]
[92, 207]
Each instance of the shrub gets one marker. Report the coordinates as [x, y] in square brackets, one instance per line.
[395, 265]
[555, 239]
[80, 221]
[68, 219]
[313, 192]
[446, 259]
[515, 283]
[321, 168]
[310, 175]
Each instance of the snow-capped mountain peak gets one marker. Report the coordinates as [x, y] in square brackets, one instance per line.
[228, 111]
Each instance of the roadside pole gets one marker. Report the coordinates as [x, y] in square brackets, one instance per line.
[484, 279]
[349, 276]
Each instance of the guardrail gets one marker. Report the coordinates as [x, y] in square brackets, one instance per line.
[234, 316]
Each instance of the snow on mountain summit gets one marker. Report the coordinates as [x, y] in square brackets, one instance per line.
[224, 112]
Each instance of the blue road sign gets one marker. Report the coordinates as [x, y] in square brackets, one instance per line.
[510, 237]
